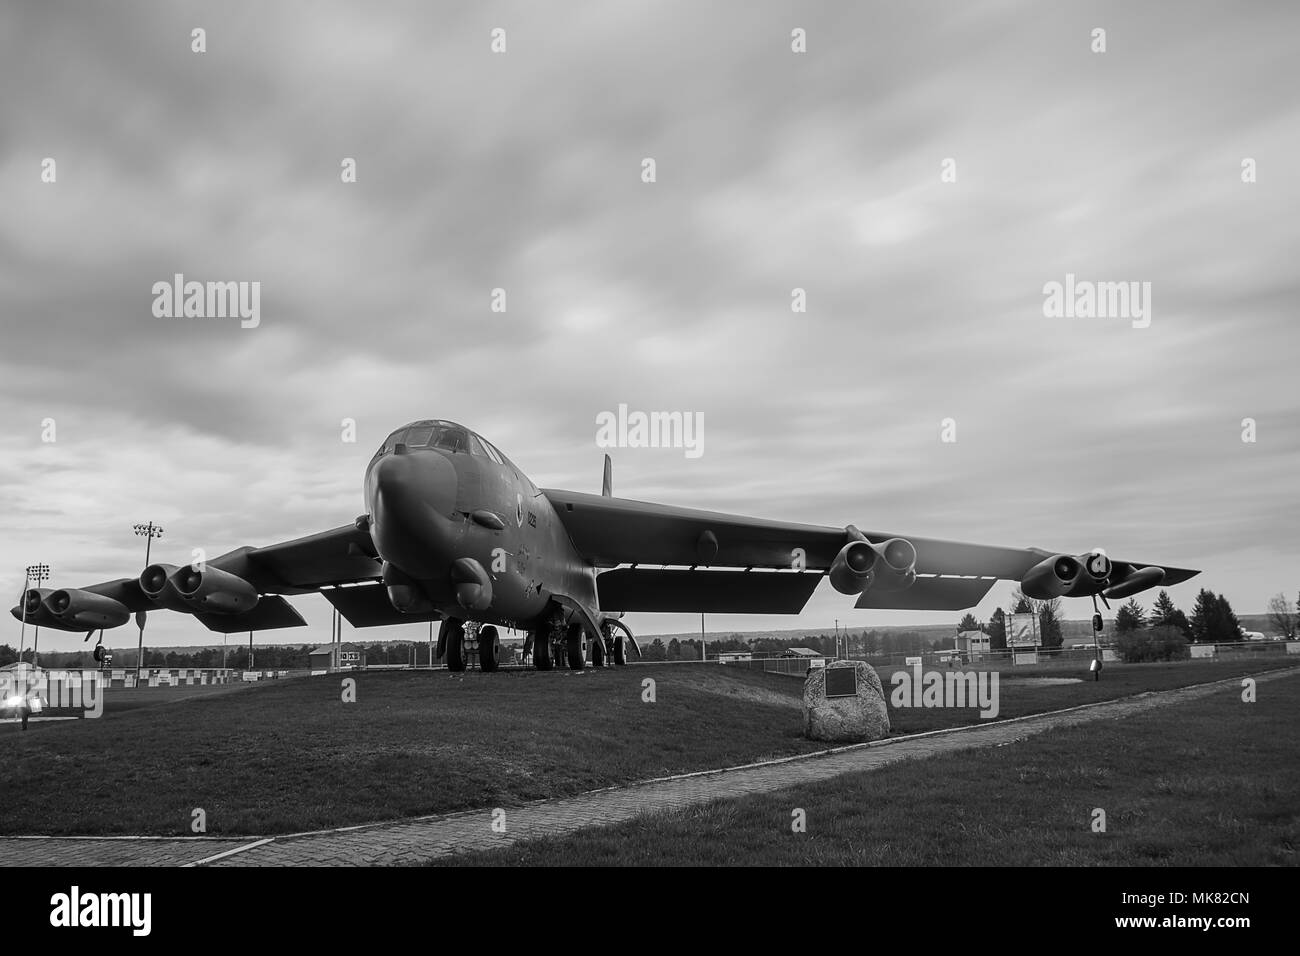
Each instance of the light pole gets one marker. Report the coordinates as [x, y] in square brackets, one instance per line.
[34, 574]
[148, 532]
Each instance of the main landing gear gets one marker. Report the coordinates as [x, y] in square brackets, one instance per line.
[454, 636]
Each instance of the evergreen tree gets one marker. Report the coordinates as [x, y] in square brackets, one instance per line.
[1213, 621]
[1049, 623]
[997, 631]
[1203, 613]
[1130, 617]
[1162, 610]
[968, 623]
[1229, 626]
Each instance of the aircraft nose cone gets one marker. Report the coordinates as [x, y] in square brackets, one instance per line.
[412, 497]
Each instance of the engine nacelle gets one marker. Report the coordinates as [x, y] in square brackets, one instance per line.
[1053, 577]
[213, 590]
[78, 610]
[896, 569]
[31, 608]
[156, 583]
[1097, 566]
[862, 564]
[852, 570]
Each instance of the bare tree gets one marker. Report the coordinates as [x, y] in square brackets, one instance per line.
[1282, 616]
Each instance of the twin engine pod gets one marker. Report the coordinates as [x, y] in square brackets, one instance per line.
[192, 590]
[1064, 575]
[71, 609]
[862, 564]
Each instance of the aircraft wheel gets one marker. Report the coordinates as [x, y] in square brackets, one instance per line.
[620, 650]
[489, 648]
[542, 659]
[452, 637]
[577, 660]
[598, 653]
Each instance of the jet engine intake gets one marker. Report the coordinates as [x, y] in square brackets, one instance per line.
[1052, 577]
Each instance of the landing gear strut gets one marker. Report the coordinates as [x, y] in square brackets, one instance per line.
[1095, 666]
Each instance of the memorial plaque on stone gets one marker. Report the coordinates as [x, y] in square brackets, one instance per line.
[841, 682]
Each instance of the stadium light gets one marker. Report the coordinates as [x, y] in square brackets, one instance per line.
[34, 573]
[148, 532]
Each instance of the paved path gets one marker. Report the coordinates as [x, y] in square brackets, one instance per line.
[424, 838]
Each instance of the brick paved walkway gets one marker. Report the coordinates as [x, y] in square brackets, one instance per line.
[421, 839]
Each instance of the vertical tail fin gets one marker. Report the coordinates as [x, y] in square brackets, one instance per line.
[607, 485]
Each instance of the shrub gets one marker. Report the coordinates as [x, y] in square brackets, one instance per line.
[1154, 644]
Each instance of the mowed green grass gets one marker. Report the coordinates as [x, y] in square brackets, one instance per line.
[1213, 782]
[289, 755]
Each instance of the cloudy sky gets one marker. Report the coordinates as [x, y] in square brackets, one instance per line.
[775, 170]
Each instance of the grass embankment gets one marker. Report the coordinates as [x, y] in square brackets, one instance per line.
[289, 756]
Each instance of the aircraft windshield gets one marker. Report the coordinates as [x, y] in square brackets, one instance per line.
[428, 434]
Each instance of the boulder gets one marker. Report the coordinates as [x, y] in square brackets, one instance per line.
[862, 717]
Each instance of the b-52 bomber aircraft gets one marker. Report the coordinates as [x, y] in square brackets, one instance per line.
[456, 533]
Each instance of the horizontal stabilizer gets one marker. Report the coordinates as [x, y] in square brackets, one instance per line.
[368, 606]
[270, 613]
[930, 594]
[717, 592]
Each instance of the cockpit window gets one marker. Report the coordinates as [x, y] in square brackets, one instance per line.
[417, 436]
[488, 450]
[431, 433]
[390, 442]
[451, 438]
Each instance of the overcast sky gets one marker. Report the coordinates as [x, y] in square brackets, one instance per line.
[775, 170]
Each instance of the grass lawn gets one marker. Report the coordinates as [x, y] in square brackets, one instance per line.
[1214, 782]
[289, 755]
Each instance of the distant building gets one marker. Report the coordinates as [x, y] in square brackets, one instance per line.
[801, 652]
[336, 657]
[973, 644]
[730, 657]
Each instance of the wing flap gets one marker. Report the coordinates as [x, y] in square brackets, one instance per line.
[271, 613]
[718, 592]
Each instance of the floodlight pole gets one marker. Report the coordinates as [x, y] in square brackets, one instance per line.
[36, 573]
[704, 654]
[22, 637]
[148, 532]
